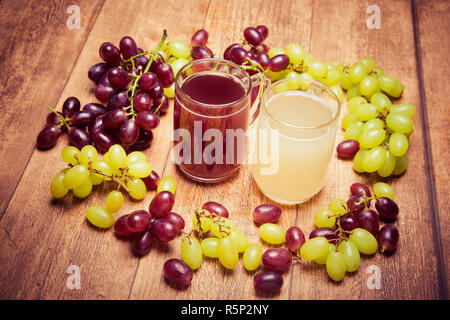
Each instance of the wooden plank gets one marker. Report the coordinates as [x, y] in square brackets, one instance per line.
[433, 23]
[225, 22]
[340, 34]
[37, 53]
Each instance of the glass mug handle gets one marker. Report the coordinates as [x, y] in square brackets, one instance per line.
[259, 83]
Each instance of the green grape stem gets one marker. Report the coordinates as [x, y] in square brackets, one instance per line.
[112, 177]
[63, 120]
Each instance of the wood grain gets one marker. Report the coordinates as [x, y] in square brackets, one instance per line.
[42, 237]
[37, 51]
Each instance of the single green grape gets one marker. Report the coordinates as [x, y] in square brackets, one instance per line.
[210, 247]
[318, 70]
[388, 166]
[57, 188]
[227, 253]
[272, 233]
[177, 65]
[382, 189]
[88, 154]
[191, 252]
[333, 76]
[75, 176]
[354, 131]
[351, 255]
[348, 120]
[353, 91]
[240, 240]
[373, 124]
[305, 84]
[368, 85]
[314, 248]
[366, 112]
[345, 81]
[336, 266]
[371, 138]
[358, 161]
[386, 83]
[96, 179]
[325, 218]
[252, 257]
[338, 206]
[397, 91]
[308, 60]
[167, 183]
[99, 216]
[323, 259]
[221, 227]
[368, 62]
[401, 163]
[282, 86]
[364, 241]
[170, 91]
[70, 155]
[336, 88]
[293, 84]
[404, 109]
[399, 123]
[83, 190]
[139, 169]
[295, 53]
[374, 159]
[117, 156]
[357, 72]
[398, 144]
[103, 167]
[135, 156]
[355, 102]
[179, 49]
[136, 188]
[275, 51]
[381, 101]
[114, 201]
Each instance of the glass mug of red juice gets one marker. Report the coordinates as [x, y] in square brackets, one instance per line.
[215, 102]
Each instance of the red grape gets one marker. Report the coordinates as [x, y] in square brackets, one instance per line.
[95, 108]
[151, 181]
[97, 71]
[200, 52]
[162, 103]
[216, 208]
[147, 120]
[359, 189]
[263, 59]
[266, 213]
[118, 100]
[147, 81]
[268, 281]
[78, 137]
[328, 233]
[277, 259]
[347, 149]
[161, 204]
[387, 208]
[138, 221]
[142, 101]
[176, 219]
[227, 52]
[177, 272]
[128, 132]
[141, 61]
[82, 119]
[368, 219]
[354, 207]
[70, 106]
[238, 55]
[294, 238]
[263, 30]
[120, 227]
[102, 140]
[114, 119]
[48, 136]
[118, 78]
[103, 92]
[110, 53]
[200, 38]
[387, 238]
[144, 140]
[252, 36]
[164, 73]
[142, 243]
[279, 62]
[348, 222]
[164, 230]
[128, 47]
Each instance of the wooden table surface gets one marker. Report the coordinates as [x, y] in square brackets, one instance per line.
[42, 62]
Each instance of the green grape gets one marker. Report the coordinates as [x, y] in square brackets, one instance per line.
[76, 176]
[373, 124]
[388, 166]
[387, 83]
[240, 240]
[103, 167]
[397, 91]
[57, 188]
[404, 109]
[355, 102]
[107, 158]
[318, 70]
[305, 84]
[114, 201]
[345, 81]
[282, 86]
[88, 154]
[171, 60]
[323, 259]
[401, 163]
[325, 218]
[351, 255]
[164, 54]
[398, 144]
[364, 241]
[227, 252]
[295, 53]
[333, 76]
[371, 138]
[377, 71]
[99, 217]
[70, 154]
[368, 62]
[381, 101]
[374, 159]
[135, 156]
[336, 88]
[205, 224]
[357, 72]
[275, 51]
[117, 156]
[358, 161]
[314, 248]
[368, 85]
[399, 123]
[252, 257]
[366, 112]
[336, 265]
[353, 91]
[167, 183]
[348, 120]
[177, 65]
[170, 91]
[96, 179]
[274, 76]
[381, 189]
[210, 247]
[140, 169]
[353, 131]
[179, 49]
[308, 60]
[293, 84]
[191, 252]
[83, 190]
[272, 233]
[338, 206]
[136, 188]
[221, 227]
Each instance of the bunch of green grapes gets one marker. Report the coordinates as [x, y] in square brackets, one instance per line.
[377, 135]
[86, 169]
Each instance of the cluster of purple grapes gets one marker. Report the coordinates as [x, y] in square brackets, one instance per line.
[143, 226]
[130, 86]
[199, 49]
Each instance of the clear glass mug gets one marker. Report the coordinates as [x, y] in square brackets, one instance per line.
[293, 147]
[209, 134]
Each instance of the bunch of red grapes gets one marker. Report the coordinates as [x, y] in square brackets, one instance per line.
[130, 86]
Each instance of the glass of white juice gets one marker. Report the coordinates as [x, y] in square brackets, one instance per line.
[294, 139]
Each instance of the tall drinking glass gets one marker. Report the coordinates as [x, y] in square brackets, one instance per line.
[215, 100]
[294, 139]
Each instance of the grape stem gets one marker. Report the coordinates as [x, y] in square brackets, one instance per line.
[64, 121]
[112, 177]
